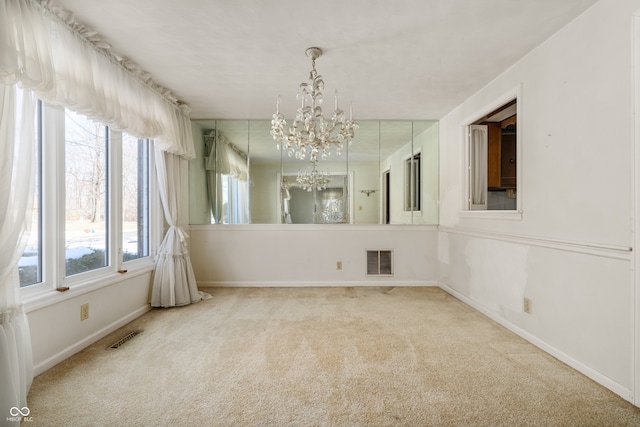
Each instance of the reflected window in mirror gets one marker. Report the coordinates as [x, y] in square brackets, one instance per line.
[223, 185]
[386, 206]
[227, 180]
[412, 191]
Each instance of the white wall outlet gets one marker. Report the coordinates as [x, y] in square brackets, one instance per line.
[84, 311]
[526, 305]
[339, 265]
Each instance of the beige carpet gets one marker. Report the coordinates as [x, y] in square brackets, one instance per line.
[321, 357]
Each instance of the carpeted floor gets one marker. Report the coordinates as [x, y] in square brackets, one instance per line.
[321, 357]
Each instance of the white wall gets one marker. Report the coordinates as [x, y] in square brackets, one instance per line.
[306, 255]
[54, 319]
[264, 193]
[366, 176]
[570, 252]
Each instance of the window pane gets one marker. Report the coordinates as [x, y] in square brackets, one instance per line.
[225, 179]
[30, 264]
[135, 197]
[86, 219]
[412, 183]
[416, 179]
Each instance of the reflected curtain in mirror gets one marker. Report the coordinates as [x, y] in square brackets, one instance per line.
[390, 173]
[227, 179]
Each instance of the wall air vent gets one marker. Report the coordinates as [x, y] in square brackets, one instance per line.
[379, 262]
[125, 338]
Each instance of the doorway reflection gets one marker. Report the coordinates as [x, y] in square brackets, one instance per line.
[242, 184]
[329, 203]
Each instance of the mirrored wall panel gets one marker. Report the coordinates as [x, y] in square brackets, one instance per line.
[387, 175]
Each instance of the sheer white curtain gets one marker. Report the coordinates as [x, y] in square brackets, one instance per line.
[229, 162]
[47, 53]
[174, 283]
[234, 165]
[478, 153]
[17, 142]
[226, 163]
[67, 64]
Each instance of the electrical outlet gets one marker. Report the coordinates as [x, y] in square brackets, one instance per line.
[339, 265]
[84, 311]
[526, 305]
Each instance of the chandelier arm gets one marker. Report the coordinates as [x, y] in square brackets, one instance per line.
[311, 131]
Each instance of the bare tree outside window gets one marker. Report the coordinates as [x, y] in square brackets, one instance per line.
[135, 197]
[86, 219]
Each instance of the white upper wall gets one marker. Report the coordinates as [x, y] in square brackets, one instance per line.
[576, 128]
[569, 254]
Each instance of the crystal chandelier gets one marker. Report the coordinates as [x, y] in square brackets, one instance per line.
[314, 179]
[311, 132]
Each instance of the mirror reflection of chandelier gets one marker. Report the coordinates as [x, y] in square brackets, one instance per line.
[311, 132]
[313, 179]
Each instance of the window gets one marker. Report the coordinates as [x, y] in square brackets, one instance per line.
[227, 180]
[30, 264]
[386, 197]
[86, 194]
[492, 149]
[412, 191]
[92, 198]
[135, 197]
[235, 208]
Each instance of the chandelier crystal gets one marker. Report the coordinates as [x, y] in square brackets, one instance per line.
[313, 179]
[311, 132]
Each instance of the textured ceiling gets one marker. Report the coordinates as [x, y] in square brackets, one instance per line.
[401, 59]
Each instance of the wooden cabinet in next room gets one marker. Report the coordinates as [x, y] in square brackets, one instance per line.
[502, 165]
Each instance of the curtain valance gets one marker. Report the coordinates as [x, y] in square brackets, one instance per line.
[43, 49]
[225, 159]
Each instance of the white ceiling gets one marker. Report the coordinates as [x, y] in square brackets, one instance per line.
[401, 59]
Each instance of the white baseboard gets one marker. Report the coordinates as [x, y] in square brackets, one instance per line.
[71, 350]
[308, 284]
[601, 379]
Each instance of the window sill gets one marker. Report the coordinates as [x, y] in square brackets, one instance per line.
[502, 215]
[48, 296]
